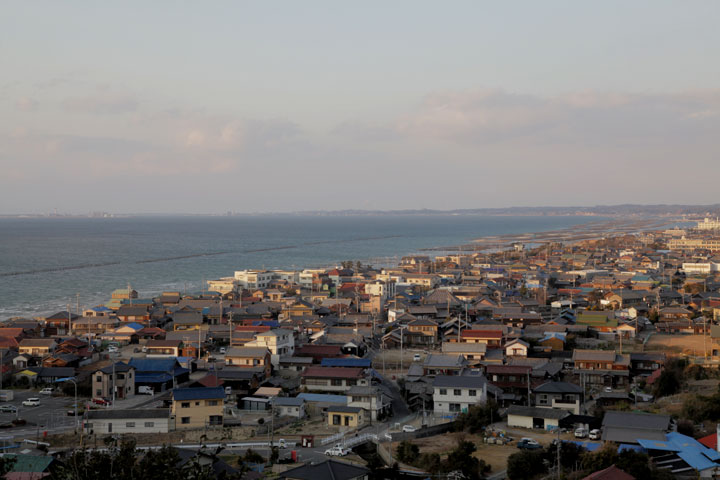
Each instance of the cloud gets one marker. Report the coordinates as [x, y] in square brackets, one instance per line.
[495, 116]
[26, 104]
[102, 103]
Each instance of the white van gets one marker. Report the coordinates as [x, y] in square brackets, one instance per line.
[146, 390]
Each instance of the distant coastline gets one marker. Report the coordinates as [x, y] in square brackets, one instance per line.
[624, 210]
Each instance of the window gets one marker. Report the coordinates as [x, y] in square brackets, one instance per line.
[149, 424]
[197, 404]
[336, 420]
[457, 392]
[473, 393]
[185, 405]
[98, 392]
[443, 391]
[129, 424]
[336, 382]
[185, 420]
[98, 378]
[454, 407]
[212, 403]
[121, 376]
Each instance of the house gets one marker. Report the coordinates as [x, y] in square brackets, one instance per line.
[535, 417]
[516, 348]
[473, 352]
[279, 341]
[437, 364]
[610, 473]
[36, 347]
[187, 318]
[554, 341]
[563, 395]
[327, 470]
[59, 323]
[645, 363]
[454, 394]
[602, 367]
[133, 313]
[333, 379]
[370, 399]
[491, 338]
[91, 326]
[114, 381]
[197, 407]
[30, 467]
[684, 456]
[163, 348]
[158, 373]
[345, 417]
[421, 333]
[289, 407]
[112, 421]
[249, 357]
[629, 427]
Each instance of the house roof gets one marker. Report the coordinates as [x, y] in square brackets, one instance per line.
[537, 412]
[328, 470]
[460, 381]
[250, 352]
[344, 409]
[30, 463]
[455, 347]
[443, 361]
[346, 362]
[37, 342]
[118, 414]
[489, 334]
[557, 387]
[288, 401]
[333, 372]
[202, 393]
[610, 473]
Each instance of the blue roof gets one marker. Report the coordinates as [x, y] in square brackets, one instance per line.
[323, 397]
[345, 362]
[694, 453]
[101, 308]
[266, 323]
[152, 377]
[589, 446]
[549, 335]
[198, 393]
[134, 325]
[166, 365]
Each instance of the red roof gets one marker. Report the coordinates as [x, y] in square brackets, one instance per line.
[710, 441]
[494, 334]
[333, 372]
[610, 473]
[654, 376]
[252, 328]
[210, 381]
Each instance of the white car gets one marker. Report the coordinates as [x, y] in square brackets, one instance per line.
[408, 428]
[47, 391]
[416, 357]
[608, 389]
[113, 349]
[595, 434]
[580, 432]
[337, 451]
[31, 402]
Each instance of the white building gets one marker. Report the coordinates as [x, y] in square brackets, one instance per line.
[700, 268]
[709, 224]
[109, 421]
[222, 285]
[289, 407]
[252, 279]
[279, 341]
[456, 393]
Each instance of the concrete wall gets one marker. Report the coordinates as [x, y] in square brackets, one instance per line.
[518, 421]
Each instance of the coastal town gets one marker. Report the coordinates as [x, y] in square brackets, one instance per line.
[551, 359]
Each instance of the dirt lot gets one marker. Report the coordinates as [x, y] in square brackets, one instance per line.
[392, 359]
[687, 344]
[495, 455]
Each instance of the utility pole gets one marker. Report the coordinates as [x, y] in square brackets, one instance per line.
[559, 467]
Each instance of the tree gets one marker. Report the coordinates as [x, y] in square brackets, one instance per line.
[477, 417]
[667, 384]
[461, 459]
[407, 452]
[525, 465]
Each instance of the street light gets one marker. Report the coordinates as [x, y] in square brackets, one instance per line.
[76, 400]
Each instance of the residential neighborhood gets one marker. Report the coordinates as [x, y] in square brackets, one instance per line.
[601, 344]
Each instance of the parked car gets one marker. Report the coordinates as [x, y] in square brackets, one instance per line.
[101, 401]
[528, 444]
[113, 349]
[222, 350]
[581, 432]
[595, 434]
[337, 451]
[416, 357]
[8, 409]
[146, 390]
[31, 402]
[408, 428]
[47, 391]
[607, 389]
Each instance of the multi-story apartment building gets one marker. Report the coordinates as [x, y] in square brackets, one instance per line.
[333, 379]
[252, 279]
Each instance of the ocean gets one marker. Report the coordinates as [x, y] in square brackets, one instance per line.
[49, 263]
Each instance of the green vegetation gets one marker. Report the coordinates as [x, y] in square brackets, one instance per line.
[476, 418]
[459, 459]
[531, 464]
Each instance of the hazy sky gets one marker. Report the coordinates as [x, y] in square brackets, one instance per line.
[169, 106]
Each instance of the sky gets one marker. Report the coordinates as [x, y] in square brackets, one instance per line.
[279, 106]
